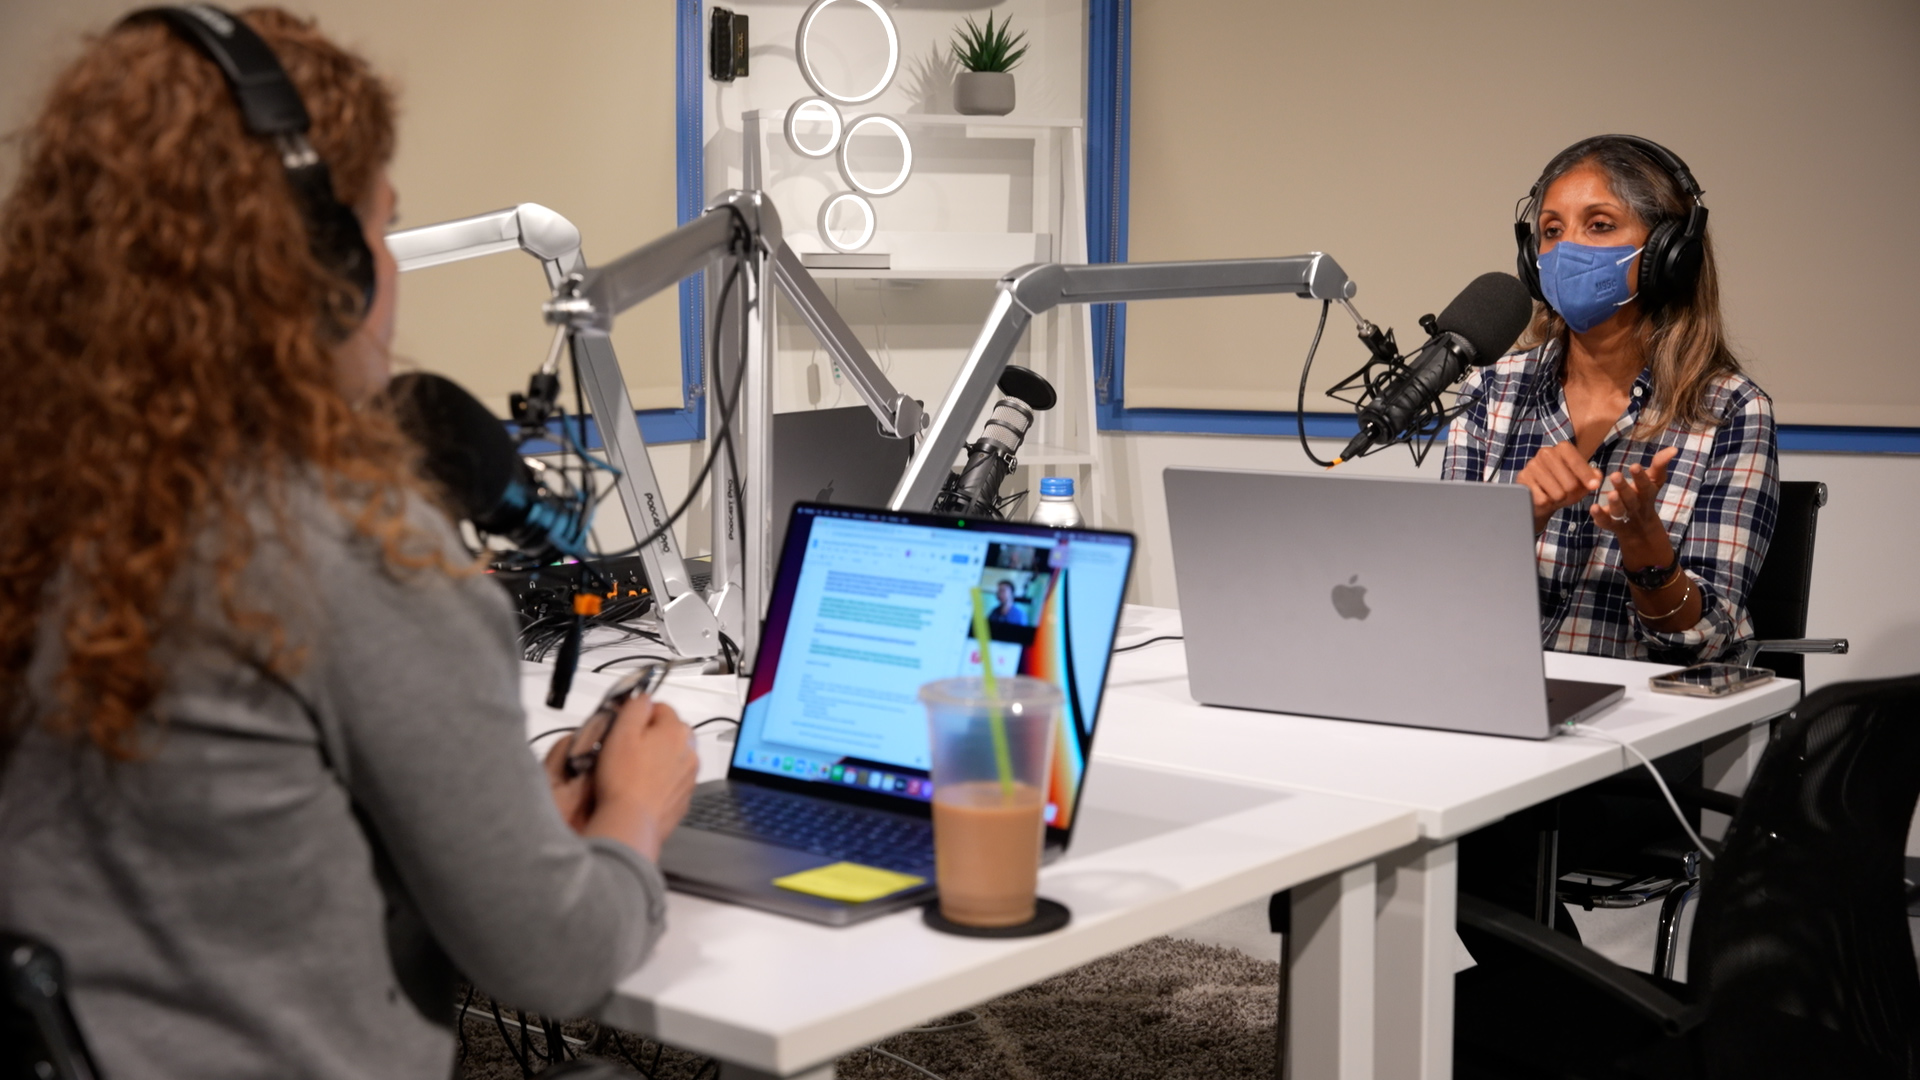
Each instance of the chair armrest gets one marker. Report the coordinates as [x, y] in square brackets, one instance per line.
[1627, 987]
[1744, 656]
[1802, 645]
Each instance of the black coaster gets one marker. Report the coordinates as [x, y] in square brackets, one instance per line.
[1048, 916]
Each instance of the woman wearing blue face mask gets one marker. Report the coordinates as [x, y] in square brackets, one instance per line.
[1650, 457]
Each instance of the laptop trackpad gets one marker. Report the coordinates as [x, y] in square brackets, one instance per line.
[714, 859]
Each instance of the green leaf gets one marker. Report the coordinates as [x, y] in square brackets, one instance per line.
[988, 48]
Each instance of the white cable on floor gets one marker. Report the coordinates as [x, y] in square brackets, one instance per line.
[908, 1064]
[1595, 733]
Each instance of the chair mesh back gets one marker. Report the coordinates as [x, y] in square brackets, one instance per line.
[1778, 599]
[1801, 943]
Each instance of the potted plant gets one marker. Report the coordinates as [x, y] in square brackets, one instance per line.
[987, 55]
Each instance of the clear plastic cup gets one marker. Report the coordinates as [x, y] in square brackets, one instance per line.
[989, 794]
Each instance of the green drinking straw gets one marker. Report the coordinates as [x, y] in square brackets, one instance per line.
[1002, 756]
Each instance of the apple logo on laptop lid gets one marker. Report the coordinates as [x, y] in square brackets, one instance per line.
[826, 494]
[1350, 600]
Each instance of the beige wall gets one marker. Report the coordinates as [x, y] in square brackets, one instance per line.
[503, 102]
[1397, 136]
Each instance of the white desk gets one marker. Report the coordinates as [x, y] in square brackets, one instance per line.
[1156, 850]
[1453, 782]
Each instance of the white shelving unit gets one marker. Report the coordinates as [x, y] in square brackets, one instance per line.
[987, 194]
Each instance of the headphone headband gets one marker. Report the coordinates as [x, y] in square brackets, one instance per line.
[268, 102]
[271, 108]
[1666, 159]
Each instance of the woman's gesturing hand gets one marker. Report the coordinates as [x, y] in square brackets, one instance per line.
[640, 787]
[1630, 509]
[1558, 476]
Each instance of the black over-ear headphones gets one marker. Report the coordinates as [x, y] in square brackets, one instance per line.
[272, 109]
[1670, 262]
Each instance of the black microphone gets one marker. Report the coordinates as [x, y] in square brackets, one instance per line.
[468, 453]
[974, 491]
[1479, 327]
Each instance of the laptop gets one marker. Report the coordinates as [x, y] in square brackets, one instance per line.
[1361, 598]
[834, 456]
[831, 761]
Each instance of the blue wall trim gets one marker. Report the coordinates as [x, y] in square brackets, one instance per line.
[1109, 122]
[1820, 438]
[689, 153]
[1794, 438]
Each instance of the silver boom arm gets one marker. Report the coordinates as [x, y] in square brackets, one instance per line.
[689, 626]
[1039, 287]
[744, 548]
[738, 226]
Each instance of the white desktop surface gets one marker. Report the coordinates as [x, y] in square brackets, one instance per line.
[1454, 782]
[1155, 851]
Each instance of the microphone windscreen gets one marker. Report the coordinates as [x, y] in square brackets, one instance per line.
[466, 447]
[1490, 313]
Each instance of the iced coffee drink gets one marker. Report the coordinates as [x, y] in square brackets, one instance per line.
[992, 749]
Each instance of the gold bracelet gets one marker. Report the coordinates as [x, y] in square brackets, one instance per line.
[1684, 597]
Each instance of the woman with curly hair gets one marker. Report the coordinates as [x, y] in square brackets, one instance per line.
[263, 777]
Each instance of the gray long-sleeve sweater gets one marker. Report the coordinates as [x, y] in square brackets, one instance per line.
[216, 900]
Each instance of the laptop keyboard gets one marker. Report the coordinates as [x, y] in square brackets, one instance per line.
[815, 826]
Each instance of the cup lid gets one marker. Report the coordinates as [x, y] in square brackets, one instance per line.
[1016, 692]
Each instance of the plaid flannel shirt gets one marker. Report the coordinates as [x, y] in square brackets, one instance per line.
[1719, 504]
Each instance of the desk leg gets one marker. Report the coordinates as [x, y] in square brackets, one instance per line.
[1329, 995]
[741, 1072]
[1415, 965]
[1730, 763]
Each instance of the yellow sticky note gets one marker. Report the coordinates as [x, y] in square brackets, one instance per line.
[851, 882]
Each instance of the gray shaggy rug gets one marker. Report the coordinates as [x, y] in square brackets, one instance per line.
[1164, 1010]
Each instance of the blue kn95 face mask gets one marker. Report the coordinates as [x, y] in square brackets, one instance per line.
[1586, 284]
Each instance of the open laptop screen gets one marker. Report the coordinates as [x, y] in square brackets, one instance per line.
[869, 605]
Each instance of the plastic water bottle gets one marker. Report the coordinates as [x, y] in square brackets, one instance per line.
[1056, 507]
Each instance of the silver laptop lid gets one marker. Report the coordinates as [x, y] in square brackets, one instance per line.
[1395, 601]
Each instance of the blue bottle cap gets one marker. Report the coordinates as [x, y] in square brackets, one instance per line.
[1056, 485]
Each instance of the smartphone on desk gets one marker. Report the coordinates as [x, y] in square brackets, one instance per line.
[1710, 680]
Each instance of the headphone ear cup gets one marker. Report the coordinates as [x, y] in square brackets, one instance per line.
[1527, 261]
[340, 244]
[1681, 273]
[1656, 272]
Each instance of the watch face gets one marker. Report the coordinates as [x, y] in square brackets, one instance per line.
[1651, 577]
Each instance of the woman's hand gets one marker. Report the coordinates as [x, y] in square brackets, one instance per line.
[1558, 476]
[641, 785]
[1630, 510]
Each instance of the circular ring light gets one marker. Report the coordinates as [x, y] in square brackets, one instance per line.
[906, 154]
[810, 109]
[847, 198]
[806, 62]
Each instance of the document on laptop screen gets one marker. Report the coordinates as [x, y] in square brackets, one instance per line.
[878, 608]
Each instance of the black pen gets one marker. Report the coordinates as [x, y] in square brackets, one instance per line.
[644, 679]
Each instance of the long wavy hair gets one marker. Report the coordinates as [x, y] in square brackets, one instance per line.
[1685, 343]
[166, 367]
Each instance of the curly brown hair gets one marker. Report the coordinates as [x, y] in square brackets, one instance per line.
[164, 366]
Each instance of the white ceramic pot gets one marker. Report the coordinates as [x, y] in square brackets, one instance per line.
[983, 93]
